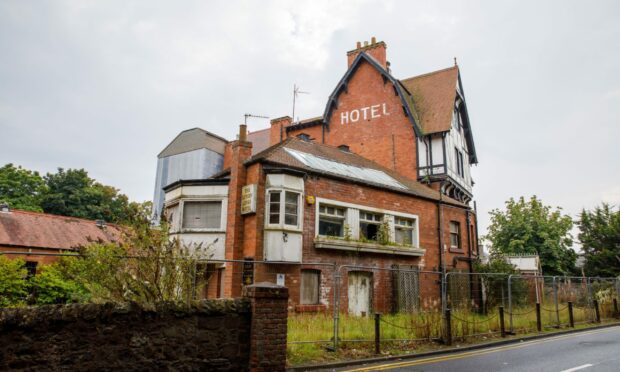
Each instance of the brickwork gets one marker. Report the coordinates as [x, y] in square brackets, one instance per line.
[388, 139]
[215, 335]
[212, 335]
[269, 326]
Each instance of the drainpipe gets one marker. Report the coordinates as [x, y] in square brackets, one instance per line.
[469, 245]
[442, 267]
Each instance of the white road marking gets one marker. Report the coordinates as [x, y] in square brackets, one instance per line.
[577, 368]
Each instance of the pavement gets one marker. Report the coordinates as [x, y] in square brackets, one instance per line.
[589, 351]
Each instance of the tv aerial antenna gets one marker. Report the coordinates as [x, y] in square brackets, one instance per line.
[246, 116]
[296, 92]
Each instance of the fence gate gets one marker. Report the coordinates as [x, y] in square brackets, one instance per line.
[406, 289]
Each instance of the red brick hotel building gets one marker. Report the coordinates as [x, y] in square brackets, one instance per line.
[381, 179]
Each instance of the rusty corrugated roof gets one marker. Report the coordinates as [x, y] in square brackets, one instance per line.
[41, 230]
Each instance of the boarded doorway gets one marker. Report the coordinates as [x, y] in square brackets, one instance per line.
[360, 291]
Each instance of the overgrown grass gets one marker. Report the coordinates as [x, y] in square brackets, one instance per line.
[310, 336]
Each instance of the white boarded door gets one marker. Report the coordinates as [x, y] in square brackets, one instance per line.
[360, 289]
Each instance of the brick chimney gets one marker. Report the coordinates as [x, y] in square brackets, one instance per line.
[376, 49]
[278, 134]
[240, 151]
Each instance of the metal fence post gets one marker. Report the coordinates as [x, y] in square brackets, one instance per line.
[377, 333]
[510, 301]
[555, 299]
[502, 326]
[615, 307]
[597, 313]
[538, 320]
[336, 305]
[444, 288]
[448, 327]
[571, 319]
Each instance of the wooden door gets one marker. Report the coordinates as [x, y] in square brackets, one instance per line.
[360, 290]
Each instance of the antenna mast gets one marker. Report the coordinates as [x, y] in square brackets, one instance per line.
[296, 92]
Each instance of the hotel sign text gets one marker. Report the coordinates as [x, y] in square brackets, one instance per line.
[364, 113]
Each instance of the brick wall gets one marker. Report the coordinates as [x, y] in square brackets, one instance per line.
[216, 335]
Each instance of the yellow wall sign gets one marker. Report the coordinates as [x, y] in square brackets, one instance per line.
[310, 199]
[248, 199]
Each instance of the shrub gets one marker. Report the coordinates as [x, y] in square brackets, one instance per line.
[13, 283]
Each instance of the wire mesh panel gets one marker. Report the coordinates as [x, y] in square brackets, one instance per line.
[406, 289]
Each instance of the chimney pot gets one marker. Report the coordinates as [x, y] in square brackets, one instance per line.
[243, 133]
[373, 40]
[359, 44]
[365, 43]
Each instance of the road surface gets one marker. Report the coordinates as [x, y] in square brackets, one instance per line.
[590, 351]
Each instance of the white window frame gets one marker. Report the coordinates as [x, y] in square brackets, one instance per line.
[281, 225]
[333, 217]
[457, 233]
[412, 229]
[352, 217]
[221, 228]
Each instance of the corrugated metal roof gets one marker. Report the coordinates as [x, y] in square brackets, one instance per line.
[346, 170]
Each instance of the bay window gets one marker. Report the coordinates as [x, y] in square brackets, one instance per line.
[284, 208]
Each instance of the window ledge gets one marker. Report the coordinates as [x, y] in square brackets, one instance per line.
[348, 245]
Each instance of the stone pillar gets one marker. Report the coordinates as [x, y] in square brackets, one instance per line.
[268, 327]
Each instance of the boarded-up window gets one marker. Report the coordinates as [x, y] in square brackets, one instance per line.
[310, 280]
[202, 215]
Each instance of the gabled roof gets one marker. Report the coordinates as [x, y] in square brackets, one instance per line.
[434, 95]
[194, 139]
[332, 101]
[40, 230]
[338, 164]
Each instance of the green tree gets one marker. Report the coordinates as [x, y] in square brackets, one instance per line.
[21, 188]
[57, 284]
[599, 234]
[530, 227]
[74, 193]
[13, 283]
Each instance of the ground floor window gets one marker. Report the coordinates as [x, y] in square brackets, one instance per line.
[310, 283]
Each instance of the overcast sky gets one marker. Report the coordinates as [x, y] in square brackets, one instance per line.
[105, 85]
